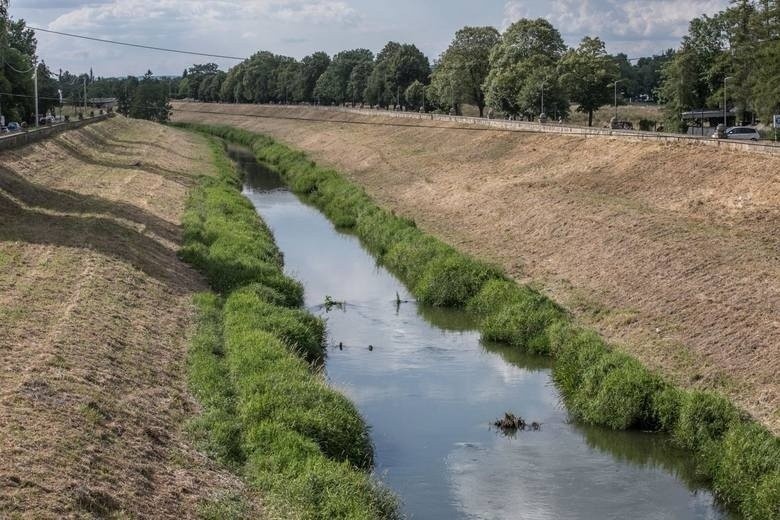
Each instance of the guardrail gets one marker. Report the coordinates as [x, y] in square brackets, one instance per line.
[553, 128]
[25, 137]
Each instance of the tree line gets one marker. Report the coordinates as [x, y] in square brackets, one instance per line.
[525, 70]
[146, 97]
[18, 64]
[515, 74]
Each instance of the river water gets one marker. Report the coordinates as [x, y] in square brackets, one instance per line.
[429, 390]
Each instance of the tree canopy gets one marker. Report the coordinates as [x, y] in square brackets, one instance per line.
[587, 72]
[523, 65]
[464, 66]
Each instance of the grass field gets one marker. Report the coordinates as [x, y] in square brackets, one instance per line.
[96, 313]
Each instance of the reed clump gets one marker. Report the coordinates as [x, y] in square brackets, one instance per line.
[267, 411]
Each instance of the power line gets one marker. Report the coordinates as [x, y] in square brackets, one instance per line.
[137, 45]
[27, 96]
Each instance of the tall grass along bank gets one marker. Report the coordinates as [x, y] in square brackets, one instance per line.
[600, 385]
[267, 411]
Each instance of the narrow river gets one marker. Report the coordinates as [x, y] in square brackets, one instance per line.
[429, 390]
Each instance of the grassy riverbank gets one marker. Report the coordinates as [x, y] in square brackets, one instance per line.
[96, 316]
[600, 385]
[268, 413]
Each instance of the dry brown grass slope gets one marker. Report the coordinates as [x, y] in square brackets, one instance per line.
[672, 251]
[95, 313]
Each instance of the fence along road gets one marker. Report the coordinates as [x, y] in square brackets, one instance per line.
[521, 126]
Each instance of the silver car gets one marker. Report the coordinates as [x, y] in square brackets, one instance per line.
[744, 133]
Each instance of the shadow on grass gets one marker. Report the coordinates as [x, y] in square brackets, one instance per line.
[37, 196]
[109, 140]
[177, 177]
[99, 234]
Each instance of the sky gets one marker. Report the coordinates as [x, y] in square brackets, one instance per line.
[300, 27]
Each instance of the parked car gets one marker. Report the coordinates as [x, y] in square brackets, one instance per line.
[743, 133]
[14, 127]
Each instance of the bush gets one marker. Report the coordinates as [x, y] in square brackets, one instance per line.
[647, 125]
[704, 417]
[301, 332]
[576, 350]
[497, 293]
[523, 325]
[452, 280]
[666, 403]
[409, 257]
[764, 500]
[747, 454]
[616, 392]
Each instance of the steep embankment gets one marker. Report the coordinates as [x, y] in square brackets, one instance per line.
[96, 310]
[669, 250]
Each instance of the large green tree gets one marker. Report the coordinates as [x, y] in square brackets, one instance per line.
[332, 86]
[522, 65]
[196, 74]
[397, 66]
[150, 100]
[309, 71]
[587, 72]
[464, 66]
[358, 82]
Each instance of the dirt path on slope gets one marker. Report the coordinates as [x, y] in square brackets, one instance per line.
[670, 250]
[95, 313]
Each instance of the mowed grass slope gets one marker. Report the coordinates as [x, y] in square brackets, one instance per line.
[669, 251]
[95, 309]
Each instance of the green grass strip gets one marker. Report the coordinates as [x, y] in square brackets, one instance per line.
[600, 385]
[267, 411]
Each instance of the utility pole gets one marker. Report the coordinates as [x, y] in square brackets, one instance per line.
[725, 101]
[542, 112]
[85, 96]
[35, 93]
[616, 105]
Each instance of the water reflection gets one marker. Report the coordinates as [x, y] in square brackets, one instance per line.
[429, 390]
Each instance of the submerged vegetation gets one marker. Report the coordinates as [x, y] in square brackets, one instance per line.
[599, 384]
[267, 412]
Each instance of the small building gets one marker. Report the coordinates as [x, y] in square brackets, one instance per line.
[102, 103]
[704, 121]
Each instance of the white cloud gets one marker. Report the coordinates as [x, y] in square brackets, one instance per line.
[138, 13]
[627, 24]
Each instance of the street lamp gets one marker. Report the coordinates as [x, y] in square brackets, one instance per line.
[725, 121]
[616, 105]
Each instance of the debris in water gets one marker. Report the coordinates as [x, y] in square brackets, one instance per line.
[371, 347]
[510, 422]
[330, 303]
[398, 300]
